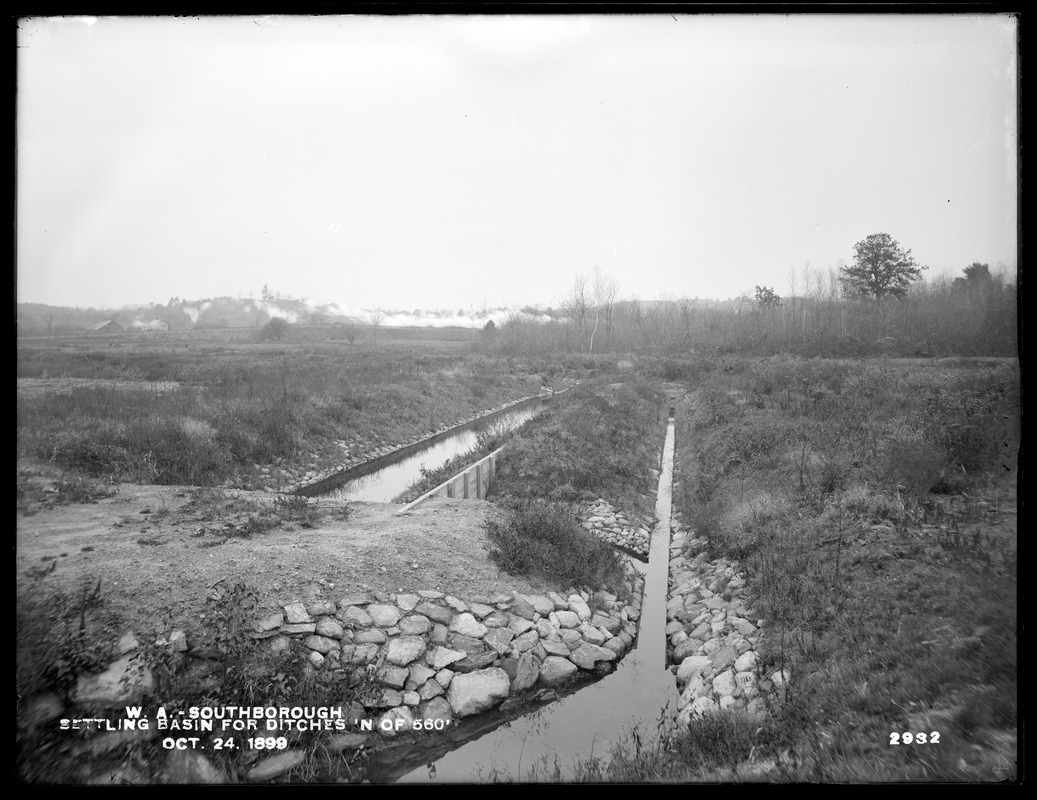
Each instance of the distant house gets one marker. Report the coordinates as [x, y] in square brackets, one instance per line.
[155, 325]
[108, 326]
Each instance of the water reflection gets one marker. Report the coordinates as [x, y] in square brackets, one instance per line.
[388, 482]
[552, 742]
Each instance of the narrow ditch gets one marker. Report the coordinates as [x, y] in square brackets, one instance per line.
[550, 741]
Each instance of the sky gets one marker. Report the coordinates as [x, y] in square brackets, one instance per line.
[466, 162]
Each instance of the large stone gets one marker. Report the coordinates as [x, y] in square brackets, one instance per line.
[566, 619]
[354, 617]
[746, 662]
[467, 625]
[685, 649]
[499, 639]
[724, 684]
[606, 621]
[478, 691]
[556, 670]
[430, 689]
[329, 628]
[298, 628]
[418, 674]
[521, 607]
[363, 653]
[555, 648]
[703, 706]
[384, 615]
[321, 609]
[396, 677]
[436, 709]
[498, 619]
[276, 765]
[404, 650]
[369, 636]
[591, 634]
[414, 625]
[40, 710]
[321, 644]
[690, 666]
[525, 642]
[407, 601]
[443, 657]
[526, 673]
[697, 687]
[587, 655]
[723, 658]
[435, 612]
[542, 605]
[394, 721]
[189, 767]
[125, 681]
[520, 625]
[578, 605]
[360, 599]
[296, 613]
[545, 630]
[458, 641]
[346, 741]
[475, 661]
[270, 622]
[444, 676]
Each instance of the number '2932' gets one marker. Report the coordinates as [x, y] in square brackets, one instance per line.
[914, 738]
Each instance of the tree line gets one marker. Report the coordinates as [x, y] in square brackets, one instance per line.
[880, 303]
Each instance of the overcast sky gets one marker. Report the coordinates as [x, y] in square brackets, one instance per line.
[468, 161]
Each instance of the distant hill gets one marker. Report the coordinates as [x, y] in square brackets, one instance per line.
[238, 312]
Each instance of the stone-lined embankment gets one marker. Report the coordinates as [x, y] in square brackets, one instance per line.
[299, 479]
[612, 526]
[423, 656]
[713, 635]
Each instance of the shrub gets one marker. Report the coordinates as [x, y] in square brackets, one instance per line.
[544, 540]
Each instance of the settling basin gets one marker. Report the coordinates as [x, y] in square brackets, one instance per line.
[549, 742]
[382, 480]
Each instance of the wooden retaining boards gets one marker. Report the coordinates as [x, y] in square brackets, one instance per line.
[340, 477]
[462, 485]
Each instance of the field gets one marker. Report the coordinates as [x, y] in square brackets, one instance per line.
[871, 503]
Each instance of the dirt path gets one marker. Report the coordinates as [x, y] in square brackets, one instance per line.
[159, 550]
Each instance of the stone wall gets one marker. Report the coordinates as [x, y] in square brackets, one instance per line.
[425, 656]
[713, 634]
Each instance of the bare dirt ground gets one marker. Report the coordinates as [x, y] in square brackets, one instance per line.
[159, 550]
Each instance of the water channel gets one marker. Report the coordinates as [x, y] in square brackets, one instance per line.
[385, 479]
[550, 742]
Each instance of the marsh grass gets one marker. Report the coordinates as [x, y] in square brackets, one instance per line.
[861, 499]
[544, 540]
[221, 411]
[599, 440]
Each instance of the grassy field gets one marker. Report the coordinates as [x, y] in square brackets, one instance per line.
[872, 505]
[215, 412]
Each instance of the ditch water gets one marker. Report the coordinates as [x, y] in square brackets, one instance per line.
[550, 742]
[384, 479]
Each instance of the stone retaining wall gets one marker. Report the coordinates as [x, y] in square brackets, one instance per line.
[610, 525]
[713, 634]
[434, 656]
[426, 656]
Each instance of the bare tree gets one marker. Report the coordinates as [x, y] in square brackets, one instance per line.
[605, 291]
[576, 304]
[377, 318]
